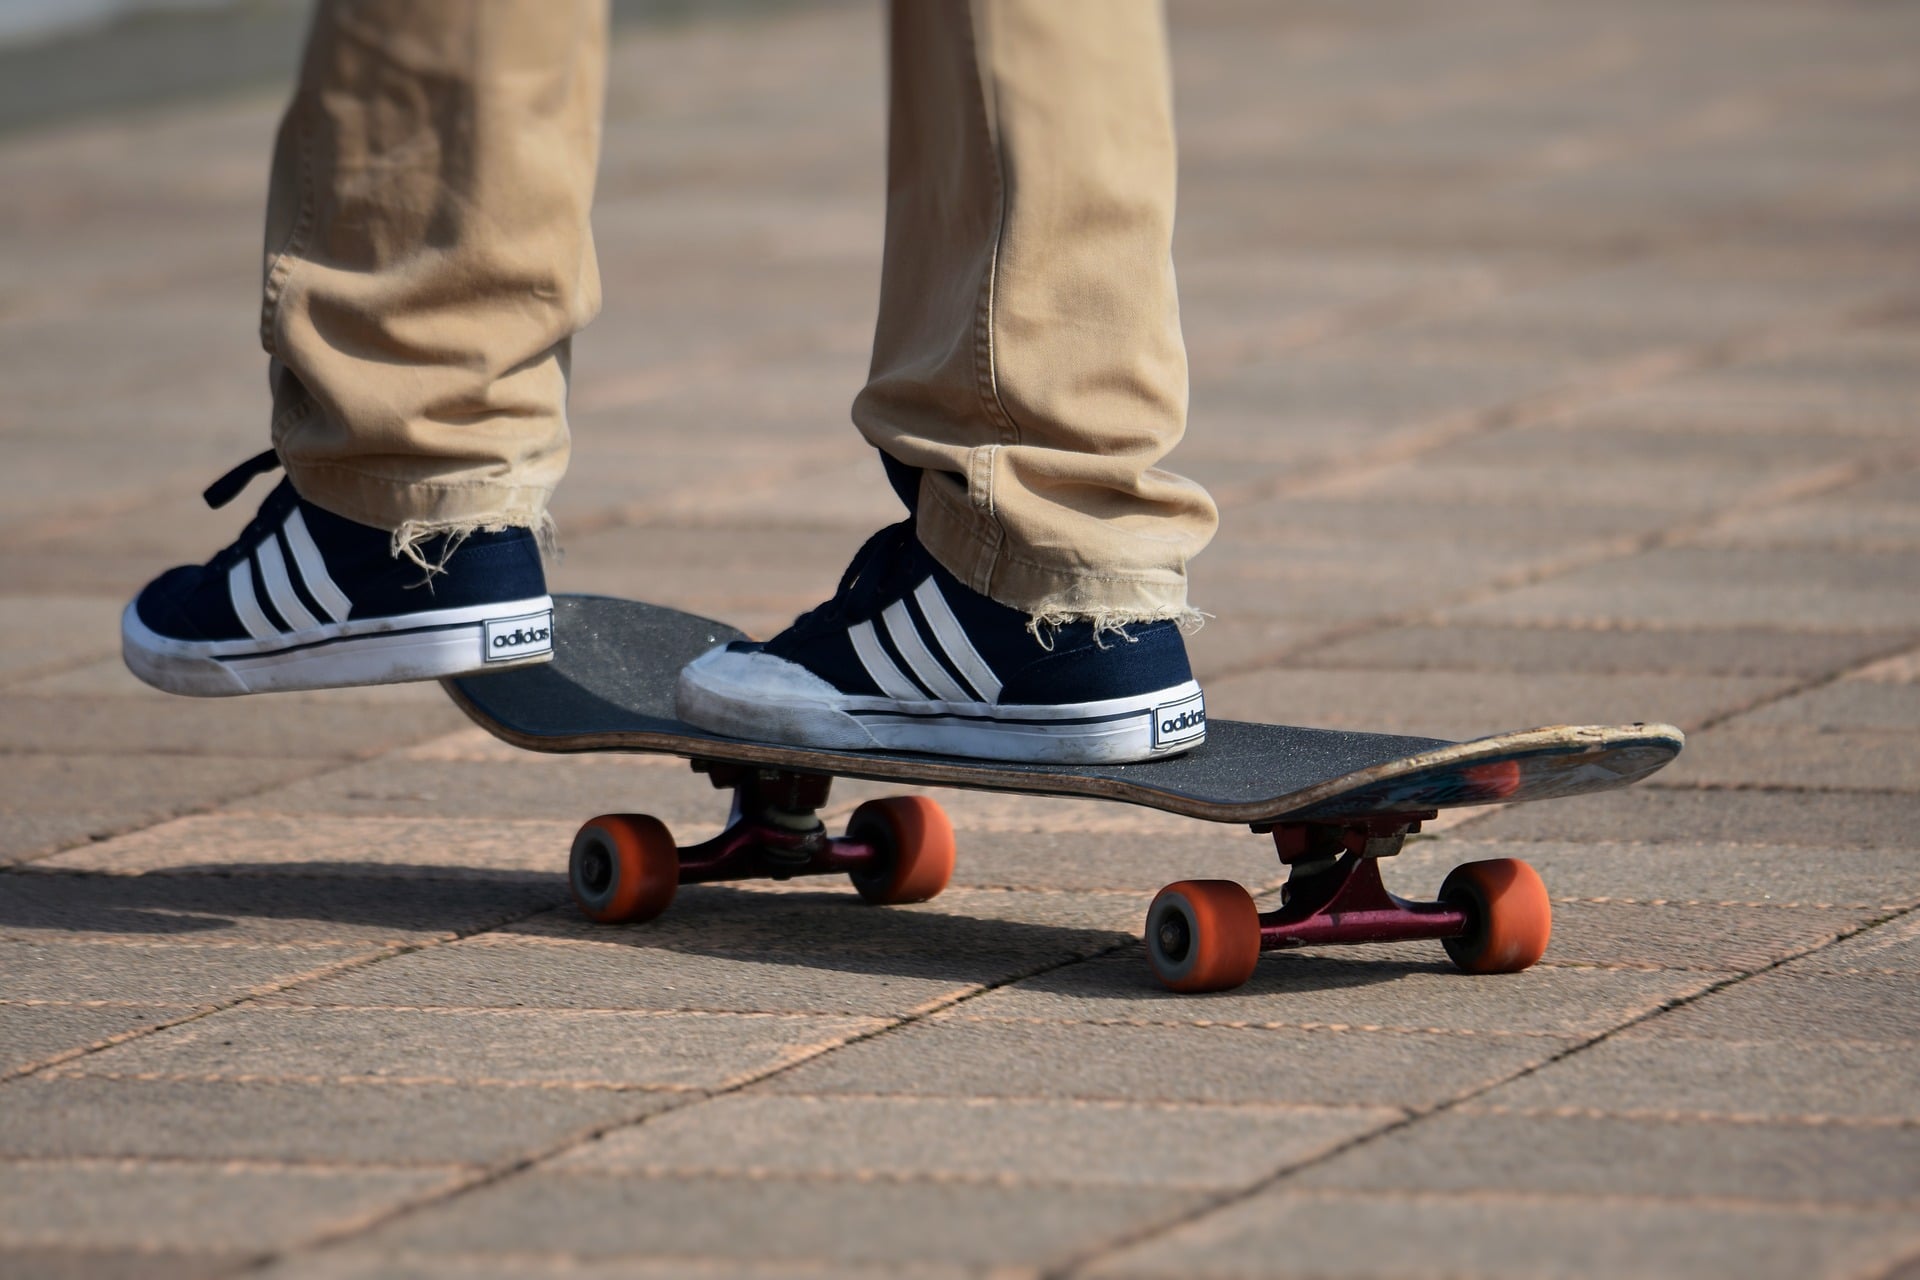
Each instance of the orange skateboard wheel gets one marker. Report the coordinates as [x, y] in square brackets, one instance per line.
[915, 840]
[1509, 917]
[1203, 935]
[624, 868]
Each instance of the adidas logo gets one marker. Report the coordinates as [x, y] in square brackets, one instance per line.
[518, 637]
[1180, 722]
[522, 637]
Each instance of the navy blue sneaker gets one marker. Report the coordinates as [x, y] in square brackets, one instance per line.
[906, 658]
[306, 600]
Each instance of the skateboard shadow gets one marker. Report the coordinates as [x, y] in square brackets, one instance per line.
[822, 930]
[216, 898]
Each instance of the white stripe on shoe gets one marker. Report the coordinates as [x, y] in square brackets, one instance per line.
[246, 605]
[880, 667]
[312, 567]
[273, 572]
[926, 667]
[952, 638]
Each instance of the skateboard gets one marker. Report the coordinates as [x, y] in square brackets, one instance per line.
[1333, 802]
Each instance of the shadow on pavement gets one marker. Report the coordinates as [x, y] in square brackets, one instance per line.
[829, 930]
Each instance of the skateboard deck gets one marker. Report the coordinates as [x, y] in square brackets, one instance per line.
[1334, 800]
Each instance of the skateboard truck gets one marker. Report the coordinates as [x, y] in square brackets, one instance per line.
[626, 867]
[1334, 893]
[1207, 935]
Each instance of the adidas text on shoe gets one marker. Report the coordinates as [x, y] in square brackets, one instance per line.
[906, 658]
[307, 600]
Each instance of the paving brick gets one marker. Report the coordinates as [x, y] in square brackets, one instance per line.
[958, 1056]
[390, 1263]
[135, 786]
[1890, 947]
[45, 632]
[253, 727]
[794, 567]
[515, 1047]
[31, 1034]
[629, 974]
[1844, 522]
[219, 910]
[854, 1221]
[1413, 518]
[1775, 823]
[534, 788]
[1790, 1005]
[107, 1204]
[1348, 588]
[1226, 645]
[1588, 465]
[1860, 590]
[26, 837]
[1693, 937]
[975, 813]
[512, 854]
[53, 1263]
[1077, 1143]
[1735, 401]
[1736, 756]
[962, 936]
[1603, 651]
[160, 974]
[1473, 704]
[1114, 861]
[468, 743]
[1848, 705]
[1517, 1236]
[1355, 987]
[1465, 1151]
[111, 679]
[73, 1116]
[1651, 1071]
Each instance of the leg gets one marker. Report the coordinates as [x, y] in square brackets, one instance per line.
[428, 261]
[1028, 358]
[1028, 376]
[428, 257]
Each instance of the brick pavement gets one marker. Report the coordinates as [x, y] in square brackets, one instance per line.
[1550, 363]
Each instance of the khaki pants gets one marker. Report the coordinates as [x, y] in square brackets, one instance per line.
[428, 258]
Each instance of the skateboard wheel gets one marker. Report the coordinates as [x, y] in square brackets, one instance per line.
[1509, 918]
[1203, 935]
[915, 841]
[624, 868]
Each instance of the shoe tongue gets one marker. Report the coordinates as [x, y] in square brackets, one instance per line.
[884, 566]
[883, 560]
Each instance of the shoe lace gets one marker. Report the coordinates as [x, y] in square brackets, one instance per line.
[874, 573]
[227, 488]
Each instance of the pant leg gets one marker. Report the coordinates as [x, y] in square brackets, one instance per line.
[428, 256]
[1028, 357]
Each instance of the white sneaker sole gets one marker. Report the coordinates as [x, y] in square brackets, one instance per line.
[415, 646]
[756, 696]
